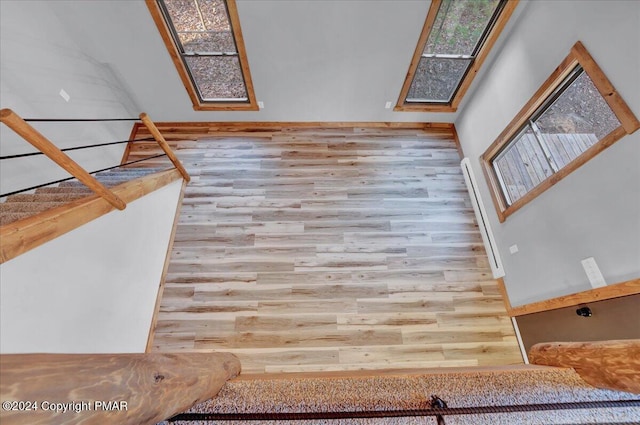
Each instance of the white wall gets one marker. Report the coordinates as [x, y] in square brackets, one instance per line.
[310, 60]
[595, 211]
[38, 57]
[92, 290]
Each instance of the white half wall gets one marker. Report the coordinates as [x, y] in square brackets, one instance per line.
[92, 290]
[595, 211]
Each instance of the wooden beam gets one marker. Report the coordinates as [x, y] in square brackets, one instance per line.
[164, 145]
[142, 388]
[622, 289]
[24, 235]
[35, 138]
[604, 364]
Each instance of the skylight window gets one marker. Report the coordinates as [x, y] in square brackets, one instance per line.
[205, 42]
[456, 37]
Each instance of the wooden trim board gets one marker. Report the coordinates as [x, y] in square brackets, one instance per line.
[456, 139]
[505, 296]
[167, 259]
[387, 372]
[127, 149]
[622, 289]
[277, 125]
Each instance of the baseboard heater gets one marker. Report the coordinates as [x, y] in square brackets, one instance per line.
[481, 217]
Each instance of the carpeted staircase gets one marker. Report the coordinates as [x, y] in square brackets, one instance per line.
[20, 206]
[262, 400]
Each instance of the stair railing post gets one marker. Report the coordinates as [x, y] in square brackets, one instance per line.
[613, 364]
[164, 145]
[35, 138]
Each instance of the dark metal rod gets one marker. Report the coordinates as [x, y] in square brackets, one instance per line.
[71, 178]
[78, 119]
[293, 416]
[22, 155]
[107, 144]
[128, 163]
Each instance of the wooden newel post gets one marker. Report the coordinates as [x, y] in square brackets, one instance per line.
[31, 135]
[164, 145]
[125, 389]
[611, 364]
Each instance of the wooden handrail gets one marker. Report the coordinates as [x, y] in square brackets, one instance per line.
[604, 364]
[164, 145]
[35, 138]
[109, 388]
[24, 235]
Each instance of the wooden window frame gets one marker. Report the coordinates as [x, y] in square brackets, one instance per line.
[489, 41]
[628, 124]
[250, 105]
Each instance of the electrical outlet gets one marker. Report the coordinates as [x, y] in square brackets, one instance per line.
[260, 104]
[513, 249]
[593, 272]
[65, 95]
[388, 105]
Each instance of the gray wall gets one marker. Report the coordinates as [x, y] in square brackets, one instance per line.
[595, 211]
[310, 60]
[39, 57]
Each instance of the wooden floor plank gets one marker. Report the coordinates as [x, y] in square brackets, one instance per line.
[329, 249]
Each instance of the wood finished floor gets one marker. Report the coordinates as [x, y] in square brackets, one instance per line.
[309, 250]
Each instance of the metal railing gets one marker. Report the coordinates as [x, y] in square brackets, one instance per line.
[46, 147]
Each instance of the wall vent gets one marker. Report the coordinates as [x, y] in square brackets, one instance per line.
[481, 217]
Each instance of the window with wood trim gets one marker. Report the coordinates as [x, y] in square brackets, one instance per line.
[455, 40]
[576, 114]
[205, 43]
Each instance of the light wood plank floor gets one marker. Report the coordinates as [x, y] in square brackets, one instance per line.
[308, 250]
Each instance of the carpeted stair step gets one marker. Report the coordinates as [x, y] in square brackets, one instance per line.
[28, 207]
[128, 172]
[105, 182]
[20, 206]
[10, 217]
[142, 171]
[47, 197]
[79, 190]
[263, 397]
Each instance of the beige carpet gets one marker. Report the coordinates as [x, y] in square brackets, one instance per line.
[458, 389]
